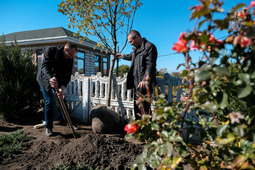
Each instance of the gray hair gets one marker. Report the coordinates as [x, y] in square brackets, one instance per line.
[134, 33]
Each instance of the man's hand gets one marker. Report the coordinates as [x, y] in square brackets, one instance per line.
[119, 55]
[62, 91]
[53, 82]
[144, 83]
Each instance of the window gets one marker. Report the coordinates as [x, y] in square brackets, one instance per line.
[101, 65]
[97, 64]
[39, 58]
[81, 62]
[105, 66]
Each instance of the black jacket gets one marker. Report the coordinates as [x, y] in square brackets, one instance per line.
[143, 62]
[55, 65]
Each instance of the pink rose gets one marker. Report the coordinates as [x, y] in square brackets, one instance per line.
[242, 40]
[240, 14]
[213, 40]
[252, 4]
[198, 7]
[193, 45]
[245, 41]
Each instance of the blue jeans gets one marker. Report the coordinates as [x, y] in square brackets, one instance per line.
[49, 107]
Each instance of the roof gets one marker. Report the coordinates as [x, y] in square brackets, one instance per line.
[48, 34]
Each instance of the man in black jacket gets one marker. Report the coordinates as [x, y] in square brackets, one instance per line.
[55, 73]
[142, 73]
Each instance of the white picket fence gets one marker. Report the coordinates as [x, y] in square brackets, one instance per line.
[83, 93]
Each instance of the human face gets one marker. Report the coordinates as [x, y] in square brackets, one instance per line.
[70, 53]
[132, 40]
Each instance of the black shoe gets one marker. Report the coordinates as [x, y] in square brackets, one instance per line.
[48, 132]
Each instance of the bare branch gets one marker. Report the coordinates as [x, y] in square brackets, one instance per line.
[129, 29]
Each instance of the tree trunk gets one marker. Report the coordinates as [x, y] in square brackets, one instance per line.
[108, 100]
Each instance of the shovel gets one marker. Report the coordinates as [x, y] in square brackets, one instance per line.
[62, 103]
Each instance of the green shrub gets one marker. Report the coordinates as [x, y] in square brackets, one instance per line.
[12, 143]
[19, 91]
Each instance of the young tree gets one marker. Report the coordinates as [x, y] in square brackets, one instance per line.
[104, 19]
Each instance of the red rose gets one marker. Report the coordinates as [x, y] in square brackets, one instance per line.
[131, 128]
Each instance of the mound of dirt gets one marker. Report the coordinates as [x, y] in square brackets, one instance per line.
[101, 151]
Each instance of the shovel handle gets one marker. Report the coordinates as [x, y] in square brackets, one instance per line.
[62, 103]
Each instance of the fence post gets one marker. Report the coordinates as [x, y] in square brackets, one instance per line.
[86, 99]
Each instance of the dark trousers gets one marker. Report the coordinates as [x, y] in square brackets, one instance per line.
[146, 107]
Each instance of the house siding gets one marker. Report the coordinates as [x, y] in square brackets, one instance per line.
[41, 39]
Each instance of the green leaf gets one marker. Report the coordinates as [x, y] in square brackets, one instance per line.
[198, 14]
[134, 166]
[222, 99]
[204, 37]
[156, 160]
[210, 107]
[248, 23]
[154, 126]
[182, 150]
[253, 75]
[237, 7]
[184, 73]
[222, 24]
[175, 139]
[245, 77]
[140, 159]
[142, 167]
[221, 130]
[230, 138]
[239, 131]
[239, 160]
[244, 92]
[202, 76]
[176, 161]
[166, 148]
[221, 70]
[164, 134]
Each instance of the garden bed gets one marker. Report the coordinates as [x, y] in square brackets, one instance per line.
[102, 151]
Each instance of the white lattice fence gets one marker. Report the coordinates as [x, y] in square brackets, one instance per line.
[84, 92]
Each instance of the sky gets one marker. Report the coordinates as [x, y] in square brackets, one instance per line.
[160, 22]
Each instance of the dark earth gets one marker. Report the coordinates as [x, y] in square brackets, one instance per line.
[99, 151]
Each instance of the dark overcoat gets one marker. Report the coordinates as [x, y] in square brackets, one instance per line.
[143, 62]
[55, 65]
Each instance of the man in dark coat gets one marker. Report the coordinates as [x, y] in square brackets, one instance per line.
[142, 73]
[55, 73]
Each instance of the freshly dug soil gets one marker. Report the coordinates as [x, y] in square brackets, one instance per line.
[101, 151]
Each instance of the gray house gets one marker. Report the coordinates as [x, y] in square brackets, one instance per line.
[89, 60]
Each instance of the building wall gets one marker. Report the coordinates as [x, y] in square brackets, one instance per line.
[89, 63]
[89, 56]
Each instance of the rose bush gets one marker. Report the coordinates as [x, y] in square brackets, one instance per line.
[221, 85]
